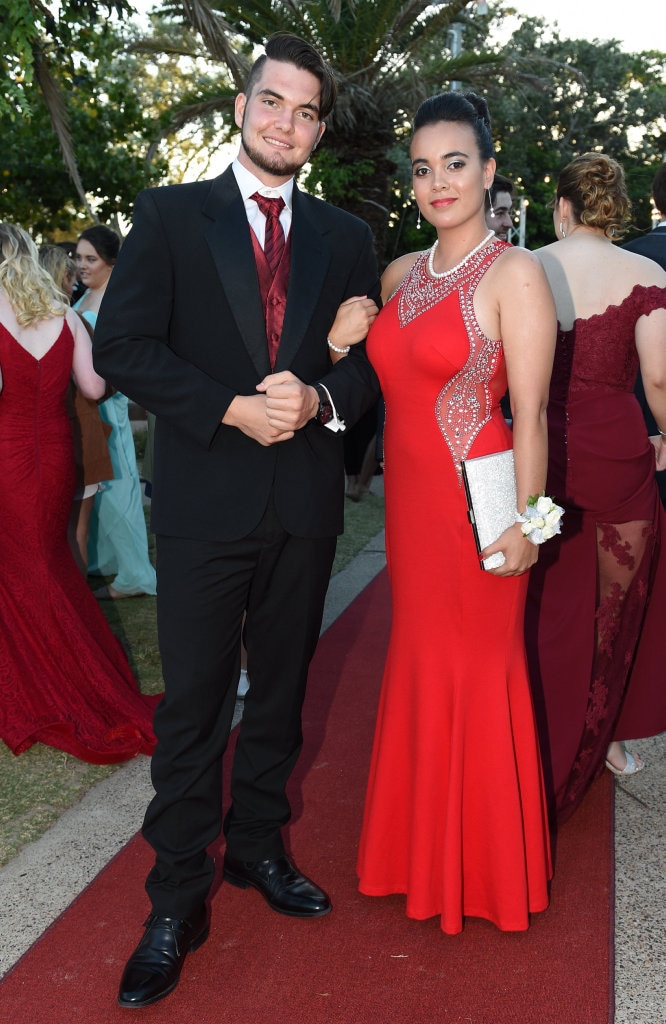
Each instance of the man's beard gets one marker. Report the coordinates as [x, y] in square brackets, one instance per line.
[277, 164]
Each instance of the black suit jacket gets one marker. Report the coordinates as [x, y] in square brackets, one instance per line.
[181, 332]
[653, 245]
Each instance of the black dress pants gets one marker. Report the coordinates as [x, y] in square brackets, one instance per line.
[204, 589]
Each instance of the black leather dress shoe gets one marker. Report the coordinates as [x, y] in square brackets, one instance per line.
[154, 967]
[281, 884]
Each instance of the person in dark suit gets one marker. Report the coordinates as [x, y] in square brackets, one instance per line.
[653, 245]
[225, 316]
[499, 212]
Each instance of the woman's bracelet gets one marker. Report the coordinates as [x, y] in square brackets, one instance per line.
[662, 434]
[541, 519]
[340, 351]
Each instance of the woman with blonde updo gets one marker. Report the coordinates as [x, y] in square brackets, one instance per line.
[597, 597]
[64, 678]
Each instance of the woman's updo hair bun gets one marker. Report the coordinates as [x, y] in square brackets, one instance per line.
[462, 108]
[595, 186]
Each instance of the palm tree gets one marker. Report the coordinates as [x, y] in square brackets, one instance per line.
[36, 41]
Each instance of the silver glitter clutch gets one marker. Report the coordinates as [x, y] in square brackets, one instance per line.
[490, 487]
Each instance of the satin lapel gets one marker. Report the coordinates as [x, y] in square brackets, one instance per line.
[310, 258]
[228, 237]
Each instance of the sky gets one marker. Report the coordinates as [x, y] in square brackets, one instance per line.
[637, 25]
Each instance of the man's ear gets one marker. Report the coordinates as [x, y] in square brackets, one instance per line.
[239, 108]
[322, 129]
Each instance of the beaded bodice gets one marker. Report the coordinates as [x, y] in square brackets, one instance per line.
[465, 402]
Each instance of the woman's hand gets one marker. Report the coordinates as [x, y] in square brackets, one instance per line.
[353, 320]
[519, 553]
[659, 450]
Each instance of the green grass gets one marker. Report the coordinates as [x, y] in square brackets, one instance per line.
[37, 786]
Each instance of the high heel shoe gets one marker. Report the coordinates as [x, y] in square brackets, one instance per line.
[633, 765]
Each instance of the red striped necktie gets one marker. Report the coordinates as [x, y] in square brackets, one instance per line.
[274, 237]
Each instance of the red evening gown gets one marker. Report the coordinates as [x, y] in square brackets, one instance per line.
[64, 678]
[596, 610]
[455, 814]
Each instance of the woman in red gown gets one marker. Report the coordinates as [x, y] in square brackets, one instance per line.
[64, 678]
[455, 812]
[597, 599]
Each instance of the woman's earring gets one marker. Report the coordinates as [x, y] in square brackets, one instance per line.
[490, 203]
[418, 222]
[562, 231]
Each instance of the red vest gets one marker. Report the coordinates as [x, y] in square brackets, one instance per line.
[273, 293]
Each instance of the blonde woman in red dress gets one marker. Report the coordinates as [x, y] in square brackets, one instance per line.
[64, 678]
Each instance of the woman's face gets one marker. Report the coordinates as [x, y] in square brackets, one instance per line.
[449, 177]
[93, 270]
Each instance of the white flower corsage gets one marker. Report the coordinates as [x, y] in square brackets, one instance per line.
[541, 519]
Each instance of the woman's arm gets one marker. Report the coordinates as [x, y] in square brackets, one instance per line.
[349, 322]
[651, 346]
[89, 383]
[528, 328]
[353, 320]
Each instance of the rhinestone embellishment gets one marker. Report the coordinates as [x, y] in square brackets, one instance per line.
[464, 404]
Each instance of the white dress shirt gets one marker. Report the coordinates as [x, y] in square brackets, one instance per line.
[248, 185]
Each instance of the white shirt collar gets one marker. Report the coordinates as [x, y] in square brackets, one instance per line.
[248, 184]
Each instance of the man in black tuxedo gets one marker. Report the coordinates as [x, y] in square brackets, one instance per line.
[653, 245]
[499, 212]
[227, 308]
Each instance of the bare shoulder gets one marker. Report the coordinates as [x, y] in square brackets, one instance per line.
[518, 260]
[396, 273]
[72, 317]
[517, 266]
[642, 269]
[78, 325]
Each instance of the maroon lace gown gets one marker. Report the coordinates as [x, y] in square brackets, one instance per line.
[64, 678]
[596, 611]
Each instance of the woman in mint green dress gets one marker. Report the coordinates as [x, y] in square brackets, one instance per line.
[118, 540]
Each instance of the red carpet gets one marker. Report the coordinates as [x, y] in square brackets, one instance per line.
[366, 962]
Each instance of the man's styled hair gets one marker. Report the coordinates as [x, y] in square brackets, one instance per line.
[500, 184]
[290, 49]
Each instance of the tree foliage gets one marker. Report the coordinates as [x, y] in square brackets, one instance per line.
[106, 94]
[615, 104]
[387, 55]
[165, 92]
[34, 44]
[28, 26]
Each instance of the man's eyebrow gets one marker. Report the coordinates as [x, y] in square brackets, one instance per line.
[276, 95]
